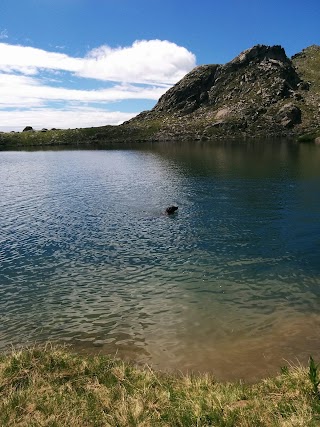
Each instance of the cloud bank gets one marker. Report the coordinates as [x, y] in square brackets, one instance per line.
[73, 117]
[142, 71]
[146, 61]
[24, 91]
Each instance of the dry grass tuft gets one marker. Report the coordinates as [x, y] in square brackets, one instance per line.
[50, 386]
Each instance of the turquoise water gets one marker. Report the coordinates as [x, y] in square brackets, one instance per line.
[229, 284]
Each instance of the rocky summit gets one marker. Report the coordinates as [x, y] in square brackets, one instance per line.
[260, 93]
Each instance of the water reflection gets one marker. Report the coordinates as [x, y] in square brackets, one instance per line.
[88, 257]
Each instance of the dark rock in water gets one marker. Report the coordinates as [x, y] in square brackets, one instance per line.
[171, 210]
[28, 129]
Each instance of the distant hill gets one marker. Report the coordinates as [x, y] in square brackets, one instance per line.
[260, 93]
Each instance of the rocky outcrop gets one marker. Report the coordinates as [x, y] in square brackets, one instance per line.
[289, 115]
[260, 92]
[245, 76]
[190, 93]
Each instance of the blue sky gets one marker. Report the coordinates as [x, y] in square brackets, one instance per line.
[75, 63]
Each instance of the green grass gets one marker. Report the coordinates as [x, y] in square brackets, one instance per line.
[51, 386]
[84, 136]
[308, 65]
[307, 137]
[51, 137]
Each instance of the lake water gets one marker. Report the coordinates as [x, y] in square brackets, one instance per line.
[230, 284]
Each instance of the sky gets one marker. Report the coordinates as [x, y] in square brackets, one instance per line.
[80, 63]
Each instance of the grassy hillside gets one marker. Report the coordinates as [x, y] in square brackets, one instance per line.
[84, 136]
[50, 386]
[307, 64]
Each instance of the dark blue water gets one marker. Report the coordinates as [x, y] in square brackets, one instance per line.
[230, 284]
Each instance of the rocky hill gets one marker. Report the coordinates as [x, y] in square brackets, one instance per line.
[260, 93]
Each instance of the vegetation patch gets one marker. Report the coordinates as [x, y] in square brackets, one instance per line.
[50, 386]
[307, 137]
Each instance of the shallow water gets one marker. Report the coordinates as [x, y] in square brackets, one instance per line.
[229, 284]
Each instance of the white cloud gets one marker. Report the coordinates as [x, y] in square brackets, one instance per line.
[23, 91]
[153, 61]
[143, 71]
[67, 118]
[146, 61]
[22, 58]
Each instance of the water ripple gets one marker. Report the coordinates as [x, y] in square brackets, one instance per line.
[87, 255]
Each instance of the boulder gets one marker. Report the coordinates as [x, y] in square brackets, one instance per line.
[289, 115]
[28, 129]
[304, 85]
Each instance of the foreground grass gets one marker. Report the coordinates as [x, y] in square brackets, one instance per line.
[50, 386]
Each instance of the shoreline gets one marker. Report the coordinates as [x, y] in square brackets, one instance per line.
[239, 356]
[50, 384]
[97, 137]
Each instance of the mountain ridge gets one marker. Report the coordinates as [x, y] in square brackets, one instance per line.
[261, 93]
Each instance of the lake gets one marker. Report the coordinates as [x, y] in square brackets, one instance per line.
[229, 284]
